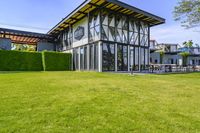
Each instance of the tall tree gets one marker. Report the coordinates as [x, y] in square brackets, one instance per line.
[188, 12]
[188, 44]
[185, 54]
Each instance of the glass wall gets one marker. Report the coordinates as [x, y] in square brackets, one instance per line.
[76, 58]
[132, 59]
[85, 58]
[108, 57]
[81, 58]
[91, 57]
[122, 57]
[94, 55]
[144, 31]
[142, 58]
[66, 39]
[136, 67]
[133, 32]
[147, 53]
[116, 30]
[94, 26]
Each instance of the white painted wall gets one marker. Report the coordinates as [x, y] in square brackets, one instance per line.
[155, 56]
[173, 48]
[84, 40]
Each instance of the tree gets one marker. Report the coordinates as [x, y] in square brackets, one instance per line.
[161, 56]
[188, 12]
[185, 56]
[188, 44]
[161, 53]
[23, 47]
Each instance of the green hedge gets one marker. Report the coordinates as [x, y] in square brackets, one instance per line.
[34, 61]
[20, 61]
[54, 61]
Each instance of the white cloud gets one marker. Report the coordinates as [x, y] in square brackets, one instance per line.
[174, 34]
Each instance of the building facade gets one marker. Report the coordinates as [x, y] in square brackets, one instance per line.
[108, 36]
[171, 54]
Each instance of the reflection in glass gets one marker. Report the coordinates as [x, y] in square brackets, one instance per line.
[122, 57]
[108, 52]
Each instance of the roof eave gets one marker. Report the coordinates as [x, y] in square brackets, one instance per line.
[162, 20]
[68, 16]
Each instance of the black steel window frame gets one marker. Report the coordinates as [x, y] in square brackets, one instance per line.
[123, 66]
[109, 58]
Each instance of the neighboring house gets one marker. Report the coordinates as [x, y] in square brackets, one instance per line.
[172, 54]
[194, 56]
[103, 35]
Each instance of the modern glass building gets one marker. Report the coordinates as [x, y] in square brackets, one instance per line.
[106, 35]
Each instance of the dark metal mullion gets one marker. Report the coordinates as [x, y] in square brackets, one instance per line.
[128, 39]
[148, 44]
[89, 26]
[100, 23]
[139, 63]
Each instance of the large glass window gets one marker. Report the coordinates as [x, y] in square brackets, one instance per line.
[122, 29]
[147, 57]
[132, 57]
[91, 57]
[94, 26]
[85, 58]
[133, 32]
[136, 67]
[81, 58]
[142, 58]
[105, 29]
[108, 57]
[144, 39]
[66, 39]
[76, 58]
[114, 27]
[94, 57]
[122, 57]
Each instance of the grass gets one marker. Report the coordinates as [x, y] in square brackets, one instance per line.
[56, 102]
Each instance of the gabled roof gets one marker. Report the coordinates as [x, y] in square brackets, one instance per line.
[115, 5]
[22, 37]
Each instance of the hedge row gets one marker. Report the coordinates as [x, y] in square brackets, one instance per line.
[54, 61]
[34, 61]
[20, 61]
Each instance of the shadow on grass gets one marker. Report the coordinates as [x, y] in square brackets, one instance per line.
[177, 73]
[14, 72]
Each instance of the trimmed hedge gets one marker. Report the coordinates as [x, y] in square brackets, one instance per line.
[34, 61]
[54, 61]
[20, 61]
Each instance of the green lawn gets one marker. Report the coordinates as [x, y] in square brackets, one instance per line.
[56, 102]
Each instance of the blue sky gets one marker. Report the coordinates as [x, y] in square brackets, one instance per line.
[42, 15]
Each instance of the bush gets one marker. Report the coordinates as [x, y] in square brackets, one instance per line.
[20, 61]
[54, 61]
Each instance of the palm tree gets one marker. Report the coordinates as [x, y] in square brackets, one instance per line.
[161, 53]
[185, 56]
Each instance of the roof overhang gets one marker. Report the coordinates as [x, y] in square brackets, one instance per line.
[23, 37]
[114, 5]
